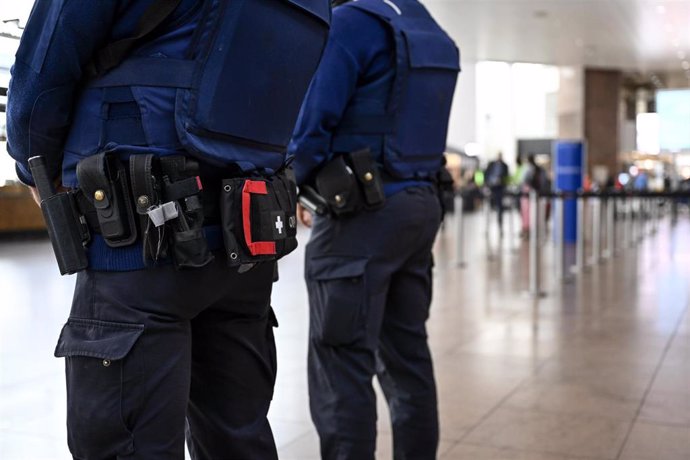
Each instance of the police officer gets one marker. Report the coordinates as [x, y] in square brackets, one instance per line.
[385, 84]
[140, 108]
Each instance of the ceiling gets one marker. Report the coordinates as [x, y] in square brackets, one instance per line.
[641, 35]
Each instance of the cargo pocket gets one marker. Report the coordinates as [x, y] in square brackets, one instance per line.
[103, 386]
[337, 293]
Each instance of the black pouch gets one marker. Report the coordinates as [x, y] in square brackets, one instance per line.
[369, 178]
[182, 186]
[190, 249]
[258, 217]
[337, 184]
[67, 230]
[103, 180]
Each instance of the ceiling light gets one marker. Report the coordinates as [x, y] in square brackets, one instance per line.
[681, 54]
[676, 42]
[686, 65]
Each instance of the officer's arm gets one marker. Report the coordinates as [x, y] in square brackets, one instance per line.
[59, 40]
[325, 102]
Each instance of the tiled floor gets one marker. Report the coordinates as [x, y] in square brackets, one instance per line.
[597, 369]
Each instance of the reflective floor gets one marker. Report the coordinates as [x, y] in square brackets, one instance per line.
[599, 368]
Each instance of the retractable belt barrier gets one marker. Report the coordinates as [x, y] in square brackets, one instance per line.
[639, 211]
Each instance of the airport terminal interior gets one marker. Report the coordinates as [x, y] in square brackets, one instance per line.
[563, 334]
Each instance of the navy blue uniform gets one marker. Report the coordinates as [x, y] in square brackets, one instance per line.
[369, 275]
[151, 350]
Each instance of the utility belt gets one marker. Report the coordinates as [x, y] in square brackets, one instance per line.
[348, 184]
[159, 201]
[352, 182]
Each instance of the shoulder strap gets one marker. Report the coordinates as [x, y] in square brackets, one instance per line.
[384, 9]
[115, 52]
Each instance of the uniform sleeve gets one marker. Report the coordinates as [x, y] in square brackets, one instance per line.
[358, 50]
[59, 40]
[328, 96]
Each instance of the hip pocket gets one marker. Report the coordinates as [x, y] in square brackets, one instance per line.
[338, 299]
[103, 381]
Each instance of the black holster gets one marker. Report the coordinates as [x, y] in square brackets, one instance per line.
[66, 226]
[167, 195]
[104, 183]
[67, 231]
[351, 183]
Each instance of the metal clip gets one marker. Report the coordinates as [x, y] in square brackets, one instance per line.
[162, 213]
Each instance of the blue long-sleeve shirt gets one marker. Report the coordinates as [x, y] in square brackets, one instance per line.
[359, 53]
[60, 40]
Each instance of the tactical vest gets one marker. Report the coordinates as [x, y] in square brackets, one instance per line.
[241, 85]
[413, 123]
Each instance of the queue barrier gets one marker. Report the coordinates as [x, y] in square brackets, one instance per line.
[638, 212]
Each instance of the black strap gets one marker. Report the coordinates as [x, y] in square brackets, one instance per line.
[142, 180]
[368, 176]
[143, 71]
[183, 188]
[366, 124]
[93, 177]
[115, 52]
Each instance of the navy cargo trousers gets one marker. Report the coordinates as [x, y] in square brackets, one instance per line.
[152, 354]
[369, 283]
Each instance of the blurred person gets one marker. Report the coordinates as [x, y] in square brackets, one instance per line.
[496, 179]
[534, 179]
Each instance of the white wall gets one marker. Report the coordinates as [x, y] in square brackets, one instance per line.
[571, 103]
[462, 125]
[514, 101]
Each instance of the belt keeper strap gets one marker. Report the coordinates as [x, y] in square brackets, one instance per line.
[183, 188]
[256, 248]
[141, 176]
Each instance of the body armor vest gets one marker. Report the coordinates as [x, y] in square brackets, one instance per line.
[413, 123]
[241, 83]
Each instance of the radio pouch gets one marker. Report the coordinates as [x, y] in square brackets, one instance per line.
[258, 218]
[103, 180]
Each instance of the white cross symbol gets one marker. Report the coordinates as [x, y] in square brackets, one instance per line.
[279, 225]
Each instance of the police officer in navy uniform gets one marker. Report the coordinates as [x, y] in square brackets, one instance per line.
[161, 344]
[385, 84]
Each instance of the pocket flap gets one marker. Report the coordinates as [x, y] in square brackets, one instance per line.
[431, 50]
[336, 267]
[97, 339]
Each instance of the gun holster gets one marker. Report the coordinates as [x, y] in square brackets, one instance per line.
[310, 199]
[103, 180]
[351, 182]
